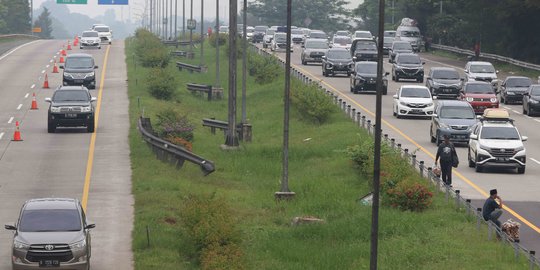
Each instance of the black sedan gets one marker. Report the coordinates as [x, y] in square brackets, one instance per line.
[337, 61]
[531, 100]
[364, 78]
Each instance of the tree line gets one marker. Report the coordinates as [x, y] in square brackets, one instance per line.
[15, 19]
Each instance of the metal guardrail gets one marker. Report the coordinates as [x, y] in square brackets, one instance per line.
[243, 130]
[169, 152]
[179, 42]
[18, 35]
[488, 56]
[426, 172]
[179, 53]
[190, 67]
[203, 88]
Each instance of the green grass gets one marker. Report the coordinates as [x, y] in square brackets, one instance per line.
[326, 185]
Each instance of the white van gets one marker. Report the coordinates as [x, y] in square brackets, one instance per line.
[408, 31]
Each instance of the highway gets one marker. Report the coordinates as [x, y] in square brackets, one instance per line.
[93, 167]
[518, 192]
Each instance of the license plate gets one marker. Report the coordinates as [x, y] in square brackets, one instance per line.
[71, 115]
[79, 81]
[49, 263]
[500, 159]
[416, 110]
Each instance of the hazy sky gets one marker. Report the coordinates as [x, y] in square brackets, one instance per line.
[136, 8]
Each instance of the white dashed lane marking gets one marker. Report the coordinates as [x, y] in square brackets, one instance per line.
[1, 135]
[537, 162]
[43, 71]
[27, 94]
[19, 107]
[10, 120]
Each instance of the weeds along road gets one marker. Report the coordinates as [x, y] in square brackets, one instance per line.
[93, 167]
[518, 191]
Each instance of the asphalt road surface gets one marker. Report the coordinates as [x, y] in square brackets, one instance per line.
[519, 192]
[93, 167]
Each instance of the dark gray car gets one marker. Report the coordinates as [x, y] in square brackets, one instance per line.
[79, 69]
[453, 118]
[71, 106]
[397, 48]
[364, 78]
[444, 82]
[513, 88]
[408, 66]
[363, 49]
[51, 232]
[337, 61]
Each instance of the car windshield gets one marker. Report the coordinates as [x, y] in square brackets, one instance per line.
[223, 28]
[518, 82]
[70, 95]
[389, 33]
[482, 69]
[535, 91]
[79, 62]
[402, 46]
[331, 54]
[270, 31]
[90, 34]
[297, 32]
[415, 92]
[342, 33]
[388, 40]
[446, 74]
[408, 59]
[317, 35]
[478, 88]
[366, 68]
[50, 220]
[260, 28]
[410, 34]
[250, 30]
[363, 35]
[499, 133]
[316, 44]
[457, 113]
[102, 28]
[365, 46]
[342, 40]
[280, 38]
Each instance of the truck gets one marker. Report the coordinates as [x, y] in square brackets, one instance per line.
[409, 31]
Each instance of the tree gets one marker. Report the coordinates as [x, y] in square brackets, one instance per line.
[315, 14]
[17, 16]
[45, 23]
[3, 24]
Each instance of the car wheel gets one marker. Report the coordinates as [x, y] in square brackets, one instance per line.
[90, 125]
[529, 113]
[304, 62]
[432, 139]
[385, 91]
[502, 100]
[110, 42]
[471, 162]
[397, 78]
[421, 80]
[477, 167]
[51, 127]
[437, 140]
[81, 47]
[521, 170]
[352, 89]
[393, 77]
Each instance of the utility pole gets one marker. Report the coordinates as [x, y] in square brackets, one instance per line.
[202, 33]
[217, 44]
[231, 140]
[171, 20]
[175, 22]
[183, 19]
[191, 29]
[244, 64]
[377, 154]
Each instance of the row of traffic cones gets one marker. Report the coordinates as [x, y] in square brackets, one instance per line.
[17, 133]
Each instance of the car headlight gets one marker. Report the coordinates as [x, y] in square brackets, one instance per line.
[520, 148]
[403, 103]
[533, 101]
[437, 84]
[469, 99]
[430, 104]
[66, 74]
[78, 245]
[444, 126]
[329, 65]
[89, 75]
[493, 100]
[20, 245]
[485, 148]
[55, 109]
[86, 109]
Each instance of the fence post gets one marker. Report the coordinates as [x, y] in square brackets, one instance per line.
[478, 217]
[386, 137]
[458, 204]
[369, 127]
[363, 121]
[516, 249]
[447, 193]
[468, 203]
[413, 160]
[339, 101]
[399, 147]
[421, 167]
[393, 143]
[353, 114]
[358, 118]
[531, 258]
[406, 153]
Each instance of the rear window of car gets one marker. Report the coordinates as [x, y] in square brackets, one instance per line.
[478, 89]
[79, 62]
[446, 74]
[499, 133]
[518, 82]
[70, 95]
[90, 34]
[102, 29]
[50, 220]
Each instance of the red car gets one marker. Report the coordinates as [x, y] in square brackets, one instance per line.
[480, 95]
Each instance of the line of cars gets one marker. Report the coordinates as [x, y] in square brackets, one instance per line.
[94, 37]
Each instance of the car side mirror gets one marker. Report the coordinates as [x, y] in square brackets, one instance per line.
[323, 57]
[524, 138]
[61, 67]
[473, 137]
[354, 58]
[90, 226]
[303, 46]
[395, 96]
[48, 99]
[95, 66]
[423, 63]
[92, 99]
[386, 73]
[496, 71]
[10, 227]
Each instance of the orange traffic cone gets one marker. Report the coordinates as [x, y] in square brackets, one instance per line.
[45, 83]
[69, 46]
[55, 67]
[17, 133]
[34, 102]
[76, 41]
[63, 52]
[61, 59]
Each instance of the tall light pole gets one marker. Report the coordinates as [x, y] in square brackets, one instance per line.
[175, 22]
[377, 152]
[244, 65]
[183, 19]
[202, 32]
[191, 29]
[217, 44]
[231, 139]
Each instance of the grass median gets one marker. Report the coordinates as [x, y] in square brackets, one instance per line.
[327, 186]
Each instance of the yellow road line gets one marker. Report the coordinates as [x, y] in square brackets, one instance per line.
[461, 176]
[90, 162]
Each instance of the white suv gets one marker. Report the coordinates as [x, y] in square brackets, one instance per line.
[104, 32]
[482, 71]
[496, 142]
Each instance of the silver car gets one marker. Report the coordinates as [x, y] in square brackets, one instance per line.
[313, 50]
[51, 232]
[90, 39]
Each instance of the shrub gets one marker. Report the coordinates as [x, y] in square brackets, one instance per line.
[222, 39]
[149, 49]
[409, 195]
[311, 102]
[264, 69]
[161, 84]
[175, 128]
[210, 225]
[239, 47]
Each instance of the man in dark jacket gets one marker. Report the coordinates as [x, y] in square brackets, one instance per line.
[492, 209]
[447, 153]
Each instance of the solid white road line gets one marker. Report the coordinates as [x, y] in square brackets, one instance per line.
[516, 112]
[537, 120]
[1, 135]
[12, 51]
[10, 120]
[538, 162]
[19, 107]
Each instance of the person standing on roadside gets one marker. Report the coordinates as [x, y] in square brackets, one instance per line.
[492, 209]
[448, 158]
